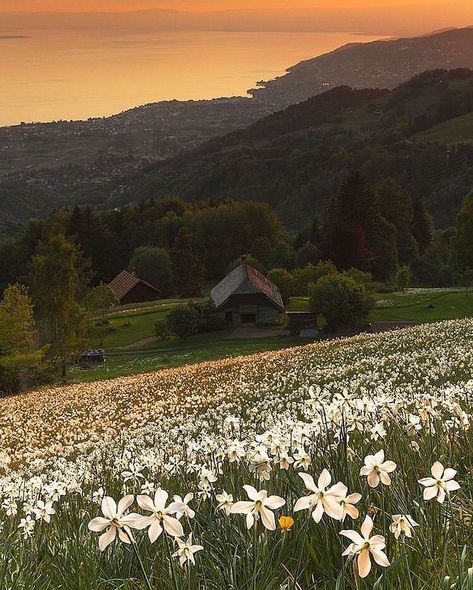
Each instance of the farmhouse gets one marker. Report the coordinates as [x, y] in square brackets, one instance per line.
[245, 296]
[128, 288]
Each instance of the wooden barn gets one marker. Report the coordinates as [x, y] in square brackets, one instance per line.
[128, 288]
[246, 296]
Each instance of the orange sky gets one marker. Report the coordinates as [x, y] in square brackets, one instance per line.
[201, 5]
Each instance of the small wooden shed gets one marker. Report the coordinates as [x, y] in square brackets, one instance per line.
[128, 288]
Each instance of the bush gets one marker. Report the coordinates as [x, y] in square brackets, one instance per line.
[303, 277]
[162, 330]
[209, 321]
[364, 278]
[341, 300]
[184, 321]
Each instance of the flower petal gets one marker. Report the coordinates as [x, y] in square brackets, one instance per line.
[437, 470]
[242, 507]
[98, 524]
[267, 518]
[125, 503]
[364, 563]
[274, 502]
[154, 530]
[367, 527]
[109, 508]
[146, 503]
[324, 479]
[107, 538]
[160, 499]
[173, 527]
[252, 492]
[308, 482]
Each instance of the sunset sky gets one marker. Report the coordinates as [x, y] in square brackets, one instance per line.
[204, 5]
[383, 17]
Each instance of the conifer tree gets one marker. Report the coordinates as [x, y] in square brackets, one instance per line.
[356, 235]
[188, 270]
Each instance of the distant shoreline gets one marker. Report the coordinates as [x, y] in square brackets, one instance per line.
[7, 37]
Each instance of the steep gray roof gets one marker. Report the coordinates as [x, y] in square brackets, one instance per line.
[245, 280]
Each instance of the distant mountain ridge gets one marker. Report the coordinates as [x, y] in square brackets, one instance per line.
[379, 64]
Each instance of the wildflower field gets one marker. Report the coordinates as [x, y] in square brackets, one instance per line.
[339, 465]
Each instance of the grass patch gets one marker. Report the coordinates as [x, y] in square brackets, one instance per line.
[176, 353]
[457, 130]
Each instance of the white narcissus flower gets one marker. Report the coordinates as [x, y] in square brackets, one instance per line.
[363, 545]
[348, 505]
[225, 502]
[402, 523]
[43, 511]
[27, 526]
[187, 510]
[115, 521]
[260, 506]
[322, 499]
[440, 484]
[377, 469]
[186, 550]
[160, 518]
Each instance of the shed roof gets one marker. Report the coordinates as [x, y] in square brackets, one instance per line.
[124, 282]
[245, 280]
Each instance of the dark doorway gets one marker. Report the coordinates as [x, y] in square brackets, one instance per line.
[229, 317]
[248, 318]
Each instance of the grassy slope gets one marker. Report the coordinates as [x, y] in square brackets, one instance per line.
[414, 305]
[129, 352]
[457, 130]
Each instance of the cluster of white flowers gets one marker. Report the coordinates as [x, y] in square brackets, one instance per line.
[268, 413]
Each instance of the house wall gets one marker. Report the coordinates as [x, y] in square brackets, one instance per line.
[140, 294]
[255, 305]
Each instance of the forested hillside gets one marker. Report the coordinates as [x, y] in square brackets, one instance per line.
[296, 159]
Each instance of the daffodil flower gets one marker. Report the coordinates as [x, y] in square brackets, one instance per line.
[363, 546]
[377, 469]
[440, 484]
[186, 551]
[322, 499]
[402, 523]
[114, 521]
[160, 518]
[260, 506]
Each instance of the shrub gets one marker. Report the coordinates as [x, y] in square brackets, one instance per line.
[364, 278]
[303, 277]
[184, 320]
[162, 330]
[341, 300]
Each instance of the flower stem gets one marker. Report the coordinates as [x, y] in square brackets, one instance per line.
[138, 557]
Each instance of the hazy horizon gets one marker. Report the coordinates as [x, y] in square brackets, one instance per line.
[376, 18]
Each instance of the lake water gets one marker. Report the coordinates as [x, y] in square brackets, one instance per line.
[74, 75]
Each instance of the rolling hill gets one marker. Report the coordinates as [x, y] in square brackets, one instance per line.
[295, 159]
